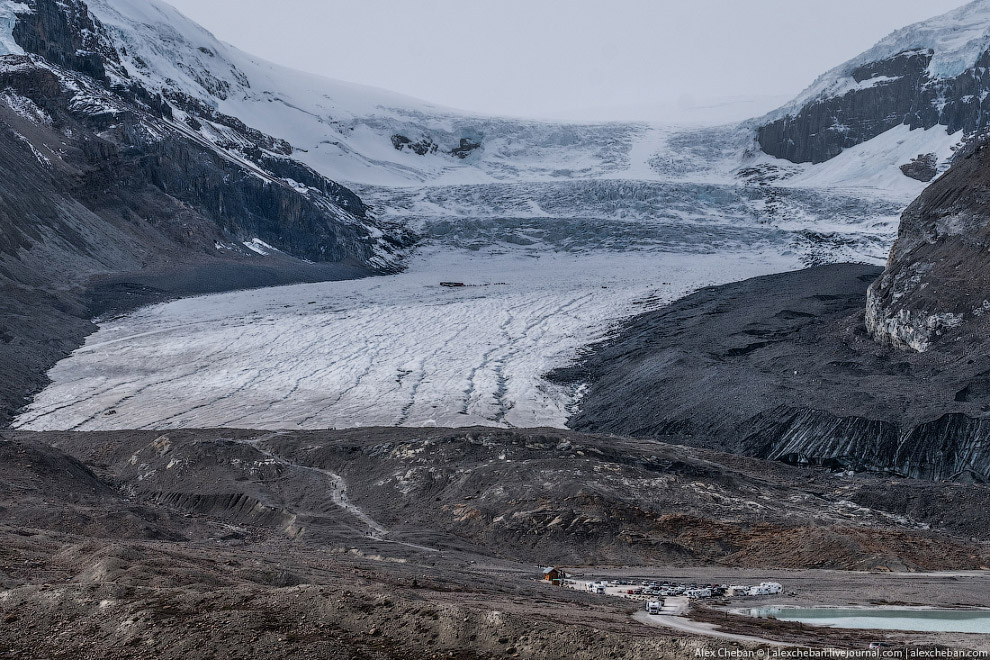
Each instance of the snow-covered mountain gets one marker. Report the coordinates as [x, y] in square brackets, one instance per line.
[346, 132]
[363, 135]
[930, 75]
[428, 168]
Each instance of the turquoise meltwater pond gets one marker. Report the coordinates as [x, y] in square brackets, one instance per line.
[962, 621]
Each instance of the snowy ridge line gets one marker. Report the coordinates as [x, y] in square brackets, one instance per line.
[956, 39]
[345, 131]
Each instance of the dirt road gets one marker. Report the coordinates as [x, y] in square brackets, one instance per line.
[685, 624]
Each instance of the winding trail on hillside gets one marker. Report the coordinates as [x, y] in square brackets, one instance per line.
[338, 495]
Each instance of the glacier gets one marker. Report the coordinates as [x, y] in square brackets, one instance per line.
[558, 230]
[392, 350]
[548, 268]
[8, 17]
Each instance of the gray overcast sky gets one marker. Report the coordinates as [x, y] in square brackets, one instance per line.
[581, 59]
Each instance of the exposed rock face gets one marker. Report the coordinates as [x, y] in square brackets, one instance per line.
[892, 92]
[933, 73]
[895, 91]
[65, 34]
[923, 168]
[952, 448]
[420, 147]
[935, 286]
[464, 149]
[427, 145]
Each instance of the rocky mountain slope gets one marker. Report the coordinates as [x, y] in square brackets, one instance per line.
[110, 200]
[932, 74]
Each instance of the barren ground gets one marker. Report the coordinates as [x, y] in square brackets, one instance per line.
[220, 544]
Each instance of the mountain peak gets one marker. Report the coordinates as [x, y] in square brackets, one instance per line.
[930, 74]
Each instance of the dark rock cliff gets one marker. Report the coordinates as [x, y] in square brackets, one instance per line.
[953, 447]
[823, 128]
[895, 91]
[923, 168]
[934, 289]
[65, 34]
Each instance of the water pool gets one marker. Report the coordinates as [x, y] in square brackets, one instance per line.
[915, 619]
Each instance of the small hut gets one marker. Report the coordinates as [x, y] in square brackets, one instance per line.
[553, 575]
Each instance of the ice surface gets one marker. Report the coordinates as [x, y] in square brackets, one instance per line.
[8, 17]
[397, 350]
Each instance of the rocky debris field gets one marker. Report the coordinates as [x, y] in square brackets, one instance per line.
[133, 552]
[421, 543]
[782, 367]
[69, 597]
[538, 496]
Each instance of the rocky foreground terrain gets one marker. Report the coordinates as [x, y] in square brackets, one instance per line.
[393, 543]
[543, 496]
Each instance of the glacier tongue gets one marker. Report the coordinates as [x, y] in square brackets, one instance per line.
[395, 350]
[547, 268]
